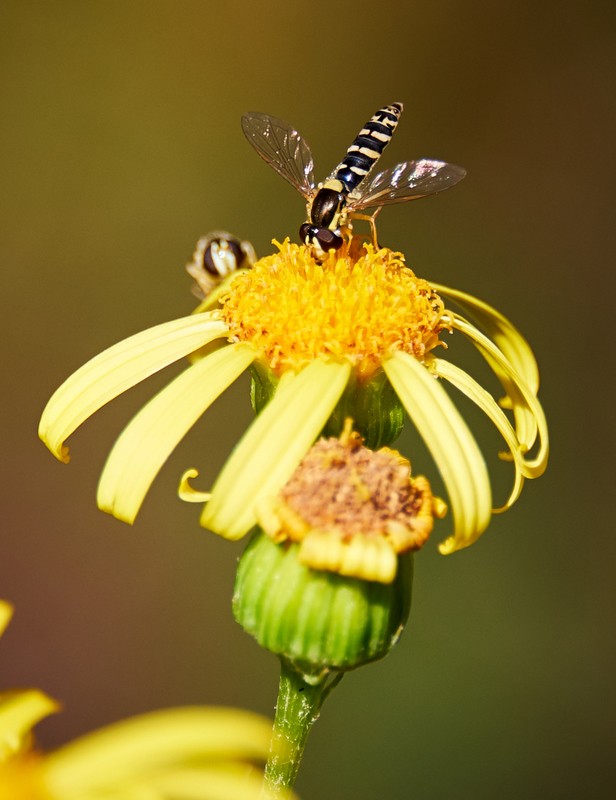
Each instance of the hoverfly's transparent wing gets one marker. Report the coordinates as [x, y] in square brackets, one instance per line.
[282, 147]
[407, 181]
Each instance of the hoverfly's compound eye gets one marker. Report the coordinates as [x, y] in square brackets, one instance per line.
[222, 256]
[305, 233]
[328, 240]
[322, 239]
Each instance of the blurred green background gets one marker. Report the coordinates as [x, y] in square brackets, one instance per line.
[120, 146]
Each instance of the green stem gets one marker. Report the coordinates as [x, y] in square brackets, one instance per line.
[297, 709]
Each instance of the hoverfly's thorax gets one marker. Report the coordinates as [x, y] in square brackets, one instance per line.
[326, 208]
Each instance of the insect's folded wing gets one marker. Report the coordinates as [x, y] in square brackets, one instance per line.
[282, 147]
[408, 181]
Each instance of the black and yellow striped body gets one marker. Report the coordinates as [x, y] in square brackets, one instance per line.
[327, 211]
[368, 147]
[333, 204]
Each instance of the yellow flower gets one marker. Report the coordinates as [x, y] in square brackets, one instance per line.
[316, 327]
[188, 753]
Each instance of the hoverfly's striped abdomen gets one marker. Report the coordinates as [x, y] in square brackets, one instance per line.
[367, 148]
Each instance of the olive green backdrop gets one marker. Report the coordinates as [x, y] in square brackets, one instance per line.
[120, 145]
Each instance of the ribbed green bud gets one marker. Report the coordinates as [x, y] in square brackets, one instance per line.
[317, 620]
[375, 409]
[262, 386]
[373, 406]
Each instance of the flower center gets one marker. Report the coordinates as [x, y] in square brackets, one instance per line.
[343, 486]
[353, 510]
[358, 306]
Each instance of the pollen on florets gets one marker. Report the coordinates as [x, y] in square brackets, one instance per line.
[295, 309]
[352, 509]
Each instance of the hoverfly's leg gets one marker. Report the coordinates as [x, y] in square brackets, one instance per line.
[373, 217]
[370, 219]
[347, 230]
[355, 242]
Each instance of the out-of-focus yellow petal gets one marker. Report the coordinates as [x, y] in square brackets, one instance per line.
[148, 440]
[6, 612]
[451, 444]
[522, 396]
[225, 782]
[274, 445]
[117, 369]
[150, 744]
[463, 381]
[506, 336]
[20, 710]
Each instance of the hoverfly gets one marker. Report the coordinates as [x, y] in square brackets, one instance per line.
[218, 255]
[332, 203]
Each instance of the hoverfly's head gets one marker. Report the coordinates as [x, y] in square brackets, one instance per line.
[320, 239]
[326, 214]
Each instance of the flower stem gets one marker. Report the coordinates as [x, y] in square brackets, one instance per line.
[300, 698]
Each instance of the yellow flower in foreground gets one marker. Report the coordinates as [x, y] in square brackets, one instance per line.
[178, 754]
[315, 328]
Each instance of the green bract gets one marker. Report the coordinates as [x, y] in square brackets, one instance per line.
[318, 621]
[374, 407]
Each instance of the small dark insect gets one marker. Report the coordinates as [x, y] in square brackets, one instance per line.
[217, 255]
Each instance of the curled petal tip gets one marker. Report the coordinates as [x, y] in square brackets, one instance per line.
[117, 369]
[447, 547]
[188, 493]
[55, 446]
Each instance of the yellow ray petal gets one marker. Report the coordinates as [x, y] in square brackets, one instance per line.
[451, 444]
[211, 301]
[506, 336]
[117, 369]
[225, 782]
[152, 742]
[6, 612]
[20, 710]
[274, 445]
[148, 440]
[522, 396]
[482, 398]
[525, 421]
[516, 350]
